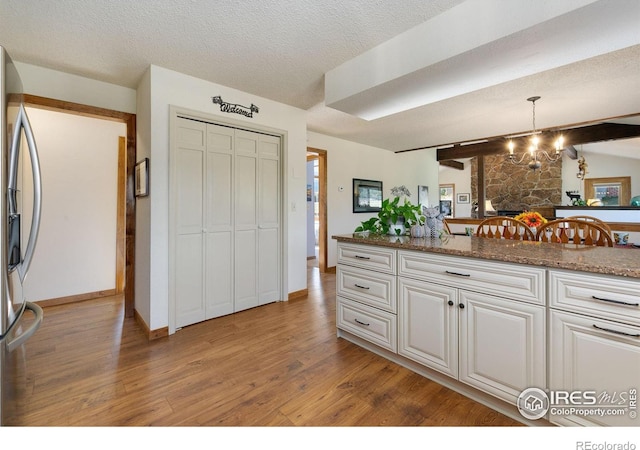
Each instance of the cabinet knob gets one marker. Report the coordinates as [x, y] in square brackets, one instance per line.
[450, 302]
[461, 305]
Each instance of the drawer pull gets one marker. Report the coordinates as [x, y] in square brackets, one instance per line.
[458, 274]
[619, 302]
[362, 323]
[361, 287]
[361, 257]
[450, 302]
[615, 331]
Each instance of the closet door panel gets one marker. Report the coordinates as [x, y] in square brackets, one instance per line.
[269, 200]
[246, 269]
[245, 191]
[219, 274]
[189, 168]
[269, 211]
[246, 142]
[190, 306]
[189, 222]
[268, 265]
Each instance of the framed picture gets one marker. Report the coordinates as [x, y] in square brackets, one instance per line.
[423, 195]
[367, 195]
[445, 207]
[448, 196]
[611, 191]
[142, 178]
[463, 198]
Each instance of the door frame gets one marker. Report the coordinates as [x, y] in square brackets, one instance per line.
[174, 113]
[129, 231]
[322, 207]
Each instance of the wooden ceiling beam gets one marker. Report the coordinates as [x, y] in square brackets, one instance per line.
[572, 136]
[453, 164]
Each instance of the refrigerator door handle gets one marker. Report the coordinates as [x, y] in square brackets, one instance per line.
[22, 122]
[16, 341]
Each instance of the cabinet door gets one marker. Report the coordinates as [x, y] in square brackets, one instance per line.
[502, 345]
[598, 355]
[427, 325]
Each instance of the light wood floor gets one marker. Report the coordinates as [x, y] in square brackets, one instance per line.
[276, 365]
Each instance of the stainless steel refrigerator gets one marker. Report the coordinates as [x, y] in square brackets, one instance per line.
[19, 318]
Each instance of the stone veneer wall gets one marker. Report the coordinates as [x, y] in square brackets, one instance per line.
[518, 188]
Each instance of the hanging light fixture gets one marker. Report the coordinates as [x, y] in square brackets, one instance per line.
[534, 151]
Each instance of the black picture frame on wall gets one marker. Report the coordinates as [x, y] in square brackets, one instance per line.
[367, 195]
[445, 207]
[142, 178]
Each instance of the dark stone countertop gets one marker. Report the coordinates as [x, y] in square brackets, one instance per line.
[623, 262]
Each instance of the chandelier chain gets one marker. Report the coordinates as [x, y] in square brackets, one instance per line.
[534, 115]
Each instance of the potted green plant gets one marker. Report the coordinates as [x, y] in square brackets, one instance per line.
[395, 218]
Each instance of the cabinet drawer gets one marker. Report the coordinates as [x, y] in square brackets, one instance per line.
[373, 288]
[368, 257]
[613, 298]
[512, 281]
[374, 325]
[588, 354]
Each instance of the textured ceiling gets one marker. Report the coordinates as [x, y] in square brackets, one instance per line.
[281, 50]
[275, 49]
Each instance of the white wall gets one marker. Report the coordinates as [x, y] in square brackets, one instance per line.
[347, 160]
[165, 88]
[598, 166]
[76, 248]
[71, 88]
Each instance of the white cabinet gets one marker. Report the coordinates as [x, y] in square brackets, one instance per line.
[366, 294]
[489, 341]
[595, 347]
[371, 324]
[224, 220]
[492, 329]
[428, 325]
[502, 345]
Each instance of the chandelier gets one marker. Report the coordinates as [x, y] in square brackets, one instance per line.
[535, 153]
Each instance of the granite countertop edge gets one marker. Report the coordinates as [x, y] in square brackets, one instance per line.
[598, 260]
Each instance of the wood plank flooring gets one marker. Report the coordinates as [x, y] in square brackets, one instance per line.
[276, 365]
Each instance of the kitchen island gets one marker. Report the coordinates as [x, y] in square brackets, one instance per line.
[491, 318]
[603, 260]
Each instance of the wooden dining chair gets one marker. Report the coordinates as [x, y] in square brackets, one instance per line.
[503, 227]
[593, 219]
[446, 226]
[574, 231]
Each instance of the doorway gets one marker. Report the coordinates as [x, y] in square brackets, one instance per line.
[319, 157]
[126, 226]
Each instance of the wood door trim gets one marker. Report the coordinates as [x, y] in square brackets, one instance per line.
[322, 200]
[130, 204]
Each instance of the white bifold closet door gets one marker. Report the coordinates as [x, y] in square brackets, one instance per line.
[227, 224]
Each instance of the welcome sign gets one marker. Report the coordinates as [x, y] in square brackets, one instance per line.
[234, 108]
